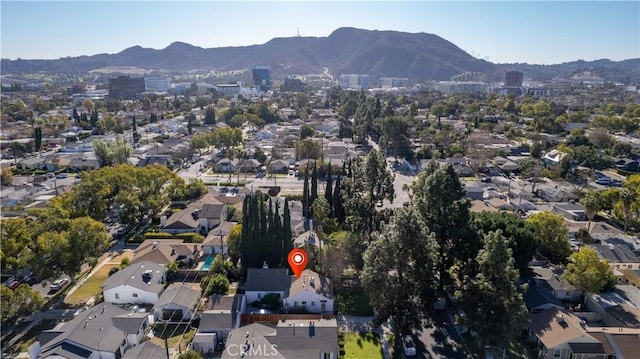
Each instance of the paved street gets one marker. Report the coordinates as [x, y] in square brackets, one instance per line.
[441, 341]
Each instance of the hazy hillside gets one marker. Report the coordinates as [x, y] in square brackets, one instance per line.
[347, 50]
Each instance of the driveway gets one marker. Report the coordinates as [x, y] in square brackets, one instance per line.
[441, 340]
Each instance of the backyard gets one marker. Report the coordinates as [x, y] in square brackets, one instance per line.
[362, 346]
[173, 334]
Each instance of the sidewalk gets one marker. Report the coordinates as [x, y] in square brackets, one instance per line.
[53, 313]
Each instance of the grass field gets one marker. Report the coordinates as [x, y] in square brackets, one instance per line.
[91, 287]
[362, 346]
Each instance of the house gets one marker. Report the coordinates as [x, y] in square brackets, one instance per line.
[32, 163]
[571, 210]
[84, 164]
[278, 166]
[165, 251]
[551, 279]
[211, 215]
[505, 165]
[617, 311]
[478, 206]
[460, 165]
[619, 256]
[537, 299]
[551, 194]
[184, 221]
[218, 320]
[178, 303]
[138, 283]
[250, 165]
[105, 331]
[474, 192]
[292, 339]
[226, 165]
[310, 291]
[145, 350]
[216, 240]
[562, 335]
[553, 158]
[263, 281]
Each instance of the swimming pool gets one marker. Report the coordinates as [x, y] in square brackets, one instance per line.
[207, 264]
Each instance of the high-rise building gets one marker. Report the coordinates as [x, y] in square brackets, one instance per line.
[354, 81]
[157, 84]
[470, 77]
[125, 87]
[391, 82]
[262, 77]
[513, 79]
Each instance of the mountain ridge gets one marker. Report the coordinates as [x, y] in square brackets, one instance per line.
[379, 53]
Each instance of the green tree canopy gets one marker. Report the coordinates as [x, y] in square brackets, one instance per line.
[491, 300]
[552, 234]
[588, 272]
[399, 273]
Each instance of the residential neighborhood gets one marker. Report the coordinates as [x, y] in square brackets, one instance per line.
[152, 216]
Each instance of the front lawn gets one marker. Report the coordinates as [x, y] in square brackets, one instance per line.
[362, 346]
[91, 287]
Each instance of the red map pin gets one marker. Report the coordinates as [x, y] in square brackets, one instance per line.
[298, 259]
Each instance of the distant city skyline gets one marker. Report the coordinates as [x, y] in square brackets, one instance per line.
[542, 32]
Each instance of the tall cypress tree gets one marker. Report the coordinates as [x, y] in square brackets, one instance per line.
[278, 237]
[305, 194]
[262, 236]
[37, 138]
[314, 186]
[328, 190]
[287, 240]
[338, 207]
[245, 239]
[270, 236]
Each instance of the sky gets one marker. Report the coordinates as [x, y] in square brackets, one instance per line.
[540, 32]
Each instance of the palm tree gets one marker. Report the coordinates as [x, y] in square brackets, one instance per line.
[592, 203]
[627, 197]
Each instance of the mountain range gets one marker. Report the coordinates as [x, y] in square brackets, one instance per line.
[419, 56]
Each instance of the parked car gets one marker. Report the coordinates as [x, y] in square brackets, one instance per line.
[379, 204]
[58, 284]
[61, 175]
[13, 284]
[486, 180]
[603, 180]
[409, 346]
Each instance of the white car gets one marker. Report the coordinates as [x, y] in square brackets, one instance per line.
[409, 346]
[379, 204]
[58, 284]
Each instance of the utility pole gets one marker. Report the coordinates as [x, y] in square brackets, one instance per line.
[166, 346]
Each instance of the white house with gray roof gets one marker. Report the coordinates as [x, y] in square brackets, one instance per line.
[138, 283]
[103, 331]
[310, 291]
[177, 303]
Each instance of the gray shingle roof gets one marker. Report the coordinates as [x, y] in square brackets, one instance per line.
[182, 295]
[311, 281]
[93, 328]
[135, 275]
[269, 279]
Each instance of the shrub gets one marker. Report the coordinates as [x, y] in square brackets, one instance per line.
[113, 270]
